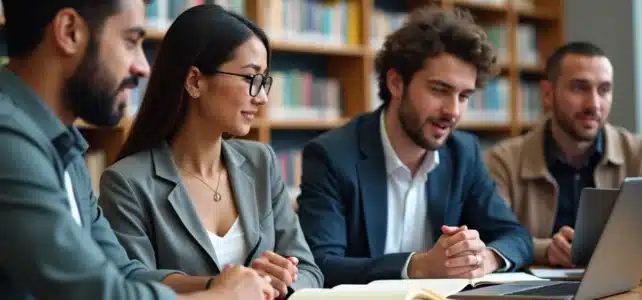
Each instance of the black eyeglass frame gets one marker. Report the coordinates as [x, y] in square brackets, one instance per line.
[264, 81]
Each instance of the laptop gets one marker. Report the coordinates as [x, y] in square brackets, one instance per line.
[593, 212]
[614, 268]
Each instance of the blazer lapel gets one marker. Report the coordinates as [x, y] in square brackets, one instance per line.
[181, 202]
[245, 195]
[437, 193]
[373, 183]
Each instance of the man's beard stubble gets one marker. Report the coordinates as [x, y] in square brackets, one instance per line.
[413, 126]
[91, 93]
[566, 123]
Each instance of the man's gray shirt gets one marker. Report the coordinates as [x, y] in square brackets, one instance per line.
[44, 253]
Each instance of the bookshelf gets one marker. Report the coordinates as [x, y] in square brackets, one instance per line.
[331, 44]
[324, 66]
[525, 32]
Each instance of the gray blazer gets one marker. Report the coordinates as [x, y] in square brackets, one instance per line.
[154, 219]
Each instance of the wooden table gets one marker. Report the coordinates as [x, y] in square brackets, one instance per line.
[635, 294]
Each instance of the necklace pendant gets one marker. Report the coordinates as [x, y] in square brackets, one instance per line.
[217, 197]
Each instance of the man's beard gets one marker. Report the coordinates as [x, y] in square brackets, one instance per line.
[91, 92]
[566, 124]
[413, 126]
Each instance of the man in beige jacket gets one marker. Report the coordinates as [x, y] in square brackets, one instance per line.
[542, 173]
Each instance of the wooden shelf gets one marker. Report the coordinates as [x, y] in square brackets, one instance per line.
[529, 125]
[124, 124]
[324, 49]
[480, 7]
[307, 124]
[154, 34]
[537, 15]
[290, 46]
[531, 69]
[484, 126]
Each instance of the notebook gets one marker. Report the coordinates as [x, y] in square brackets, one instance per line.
[409, 289]
[557, 274]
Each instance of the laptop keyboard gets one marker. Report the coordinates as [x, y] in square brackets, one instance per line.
[560, 289]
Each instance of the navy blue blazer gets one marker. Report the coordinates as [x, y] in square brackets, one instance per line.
[343, 203]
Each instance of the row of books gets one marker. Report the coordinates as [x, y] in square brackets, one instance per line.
[291, 165]
[383, 23]
[531, 101]
[337, 22]
[527, 53]
[326, 22]
[161, 13]
[299, 95]
[491, 104]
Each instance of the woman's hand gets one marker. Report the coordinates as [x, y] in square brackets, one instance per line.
[281, 270]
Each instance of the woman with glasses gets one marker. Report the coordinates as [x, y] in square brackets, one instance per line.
[183, 197]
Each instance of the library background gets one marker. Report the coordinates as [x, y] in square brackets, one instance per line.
[323, 68]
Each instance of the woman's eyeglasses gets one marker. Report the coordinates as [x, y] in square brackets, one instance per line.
[256, 82]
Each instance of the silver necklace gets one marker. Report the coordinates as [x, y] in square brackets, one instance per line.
[217, 195]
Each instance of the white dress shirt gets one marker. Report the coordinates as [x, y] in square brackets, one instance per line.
[408, 226]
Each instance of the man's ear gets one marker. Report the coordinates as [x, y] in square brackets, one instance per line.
[193, 83]
[547, 91]
[394, 82]
[70, 32]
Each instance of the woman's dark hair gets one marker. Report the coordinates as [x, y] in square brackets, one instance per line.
[204, 36]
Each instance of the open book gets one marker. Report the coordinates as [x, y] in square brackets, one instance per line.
[409, 289]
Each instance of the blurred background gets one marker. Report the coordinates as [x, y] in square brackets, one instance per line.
[323, 65]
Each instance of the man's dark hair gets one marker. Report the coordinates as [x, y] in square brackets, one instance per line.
[428, 32]
[554, 62]
[26, 20]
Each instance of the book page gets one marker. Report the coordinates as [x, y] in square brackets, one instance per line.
[355, 292]
[498, 278]
[442, 287]
[447, 287]
[557, 274]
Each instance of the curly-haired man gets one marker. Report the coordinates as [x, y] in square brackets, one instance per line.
[397, 193]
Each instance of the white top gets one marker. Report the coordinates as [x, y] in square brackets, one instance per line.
[71, 198]
[408, 228]
[230, 249]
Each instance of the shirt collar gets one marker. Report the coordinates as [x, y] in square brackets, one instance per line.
[554, 155]
[393, 163]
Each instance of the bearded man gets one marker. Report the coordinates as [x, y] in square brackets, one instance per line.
[397, 193]
[542, 173]
[74, 59]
